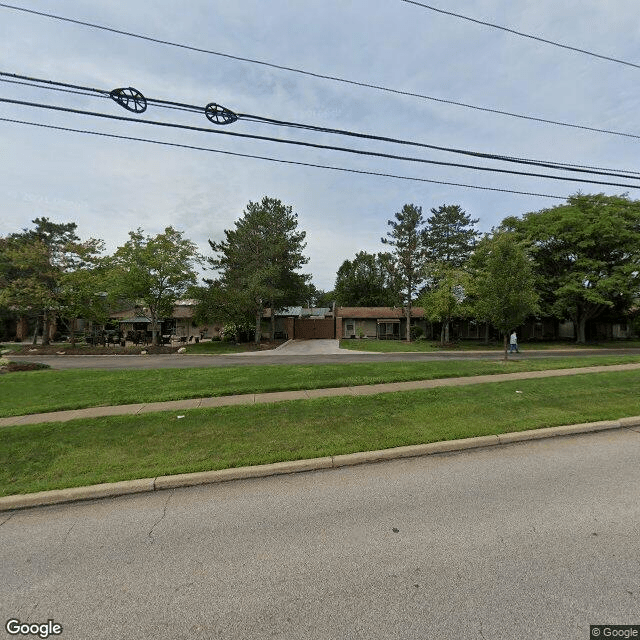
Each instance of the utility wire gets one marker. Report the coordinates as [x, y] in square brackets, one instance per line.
[520, 33]
[278, 160]
[51, 84]
[314, 145]
[318, 75]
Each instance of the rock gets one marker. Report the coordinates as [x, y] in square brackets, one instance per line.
[143, 353]
[182, 350]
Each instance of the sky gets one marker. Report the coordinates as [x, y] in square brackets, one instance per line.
[110, 186]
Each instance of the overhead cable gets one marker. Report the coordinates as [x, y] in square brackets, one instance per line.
[224, 116]
[279, 160]
[313, 145]
[522, 34]
[317, 75]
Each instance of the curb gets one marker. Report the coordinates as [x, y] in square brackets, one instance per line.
[145, 485]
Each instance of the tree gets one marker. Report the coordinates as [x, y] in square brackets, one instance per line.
[369, 280]
[258, 263]
[587, 254]
[406, 239]
[503, 286]
[154, 271]
[447, 297]
[34, 262]
[448, 239]
[82, 288]
[449, 236]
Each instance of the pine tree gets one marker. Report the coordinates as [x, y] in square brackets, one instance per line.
[406, 238]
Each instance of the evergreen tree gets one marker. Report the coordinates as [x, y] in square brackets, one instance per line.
[258, 263]
[406, 238]
[448, 239]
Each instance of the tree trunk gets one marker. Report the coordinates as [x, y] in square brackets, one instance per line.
[45, 329]
[258, 321]
[446, 331]
[273, 322]
[581, 326]
[409, 322]
[35, 331]
[72, 331]
[486, 333]
[506, 353]
[442, 336]
[154, 330]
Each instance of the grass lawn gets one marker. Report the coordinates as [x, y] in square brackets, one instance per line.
[41, 391]
[219, 347]
[81, 452]
[428, 346]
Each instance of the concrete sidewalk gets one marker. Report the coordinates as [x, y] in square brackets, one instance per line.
[281, 396]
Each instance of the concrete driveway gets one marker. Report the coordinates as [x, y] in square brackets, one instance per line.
[304, 348]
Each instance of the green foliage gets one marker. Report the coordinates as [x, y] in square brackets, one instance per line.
[406, 238]
[449, 236]
[446, 297]
[154, 271]
[587, 255]
[46, 271]
[369, 280]
[503, 287]
[257, 263]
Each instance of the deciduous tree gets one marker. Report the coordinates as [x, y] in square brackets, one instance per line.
[503, 286]
[369, 280]
[154, 272]
[587, 255]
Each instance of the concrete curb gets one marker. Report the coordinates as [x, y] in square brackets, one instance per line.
[143, 485]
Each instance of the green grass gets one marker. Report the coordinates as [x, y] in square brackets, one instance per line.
[429, 346]
[219, 347]
[42, 391]
[81, 452]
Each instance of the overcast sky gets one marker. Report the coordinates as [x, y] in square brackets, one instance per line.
[109, 187]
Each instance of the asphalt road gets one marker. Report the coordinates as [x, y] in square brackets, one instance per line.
[176, 361]
[533, 540]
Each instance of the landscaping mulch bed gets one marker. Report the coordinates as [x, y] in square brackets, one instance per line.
[23, 366]
[86, 350]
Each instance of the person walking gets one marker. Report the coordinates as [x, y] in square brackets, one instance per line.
[513, 343]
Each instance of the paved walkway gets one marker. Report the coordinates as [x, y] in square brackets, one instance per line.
[280, 396]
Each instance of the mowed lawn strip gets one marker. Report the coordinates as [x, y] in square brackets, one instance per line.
[430, 346]
[43, 391]
[84, 452]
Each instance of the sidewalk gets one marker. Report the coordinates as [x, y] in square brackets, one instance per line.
[281, 396]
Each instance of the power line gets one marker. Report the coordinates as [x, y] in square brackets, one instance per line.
[522, 34]
[102, 93]
[278, 160]
[315, 145]
[318, 75]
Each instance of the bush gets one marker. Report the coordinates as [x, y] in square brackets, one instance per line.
[416, 332]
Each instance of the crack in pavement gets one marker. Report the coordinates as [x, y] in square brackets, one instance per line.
[160, 519]
[6, 520]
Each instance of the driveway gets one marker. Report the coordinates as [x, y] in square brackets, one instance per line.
[304, 348]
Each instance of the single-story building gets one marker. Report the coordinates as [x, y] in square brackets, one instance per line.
[383, 323]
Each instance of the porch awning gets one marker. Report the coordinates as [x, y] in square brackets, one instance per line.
[386, 320]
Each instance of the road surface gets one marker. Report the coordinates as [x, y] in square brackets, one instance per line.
[531, 540]
[178, 361]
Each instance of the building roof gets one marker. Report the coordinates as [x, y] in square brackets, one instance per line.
[379, 313]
